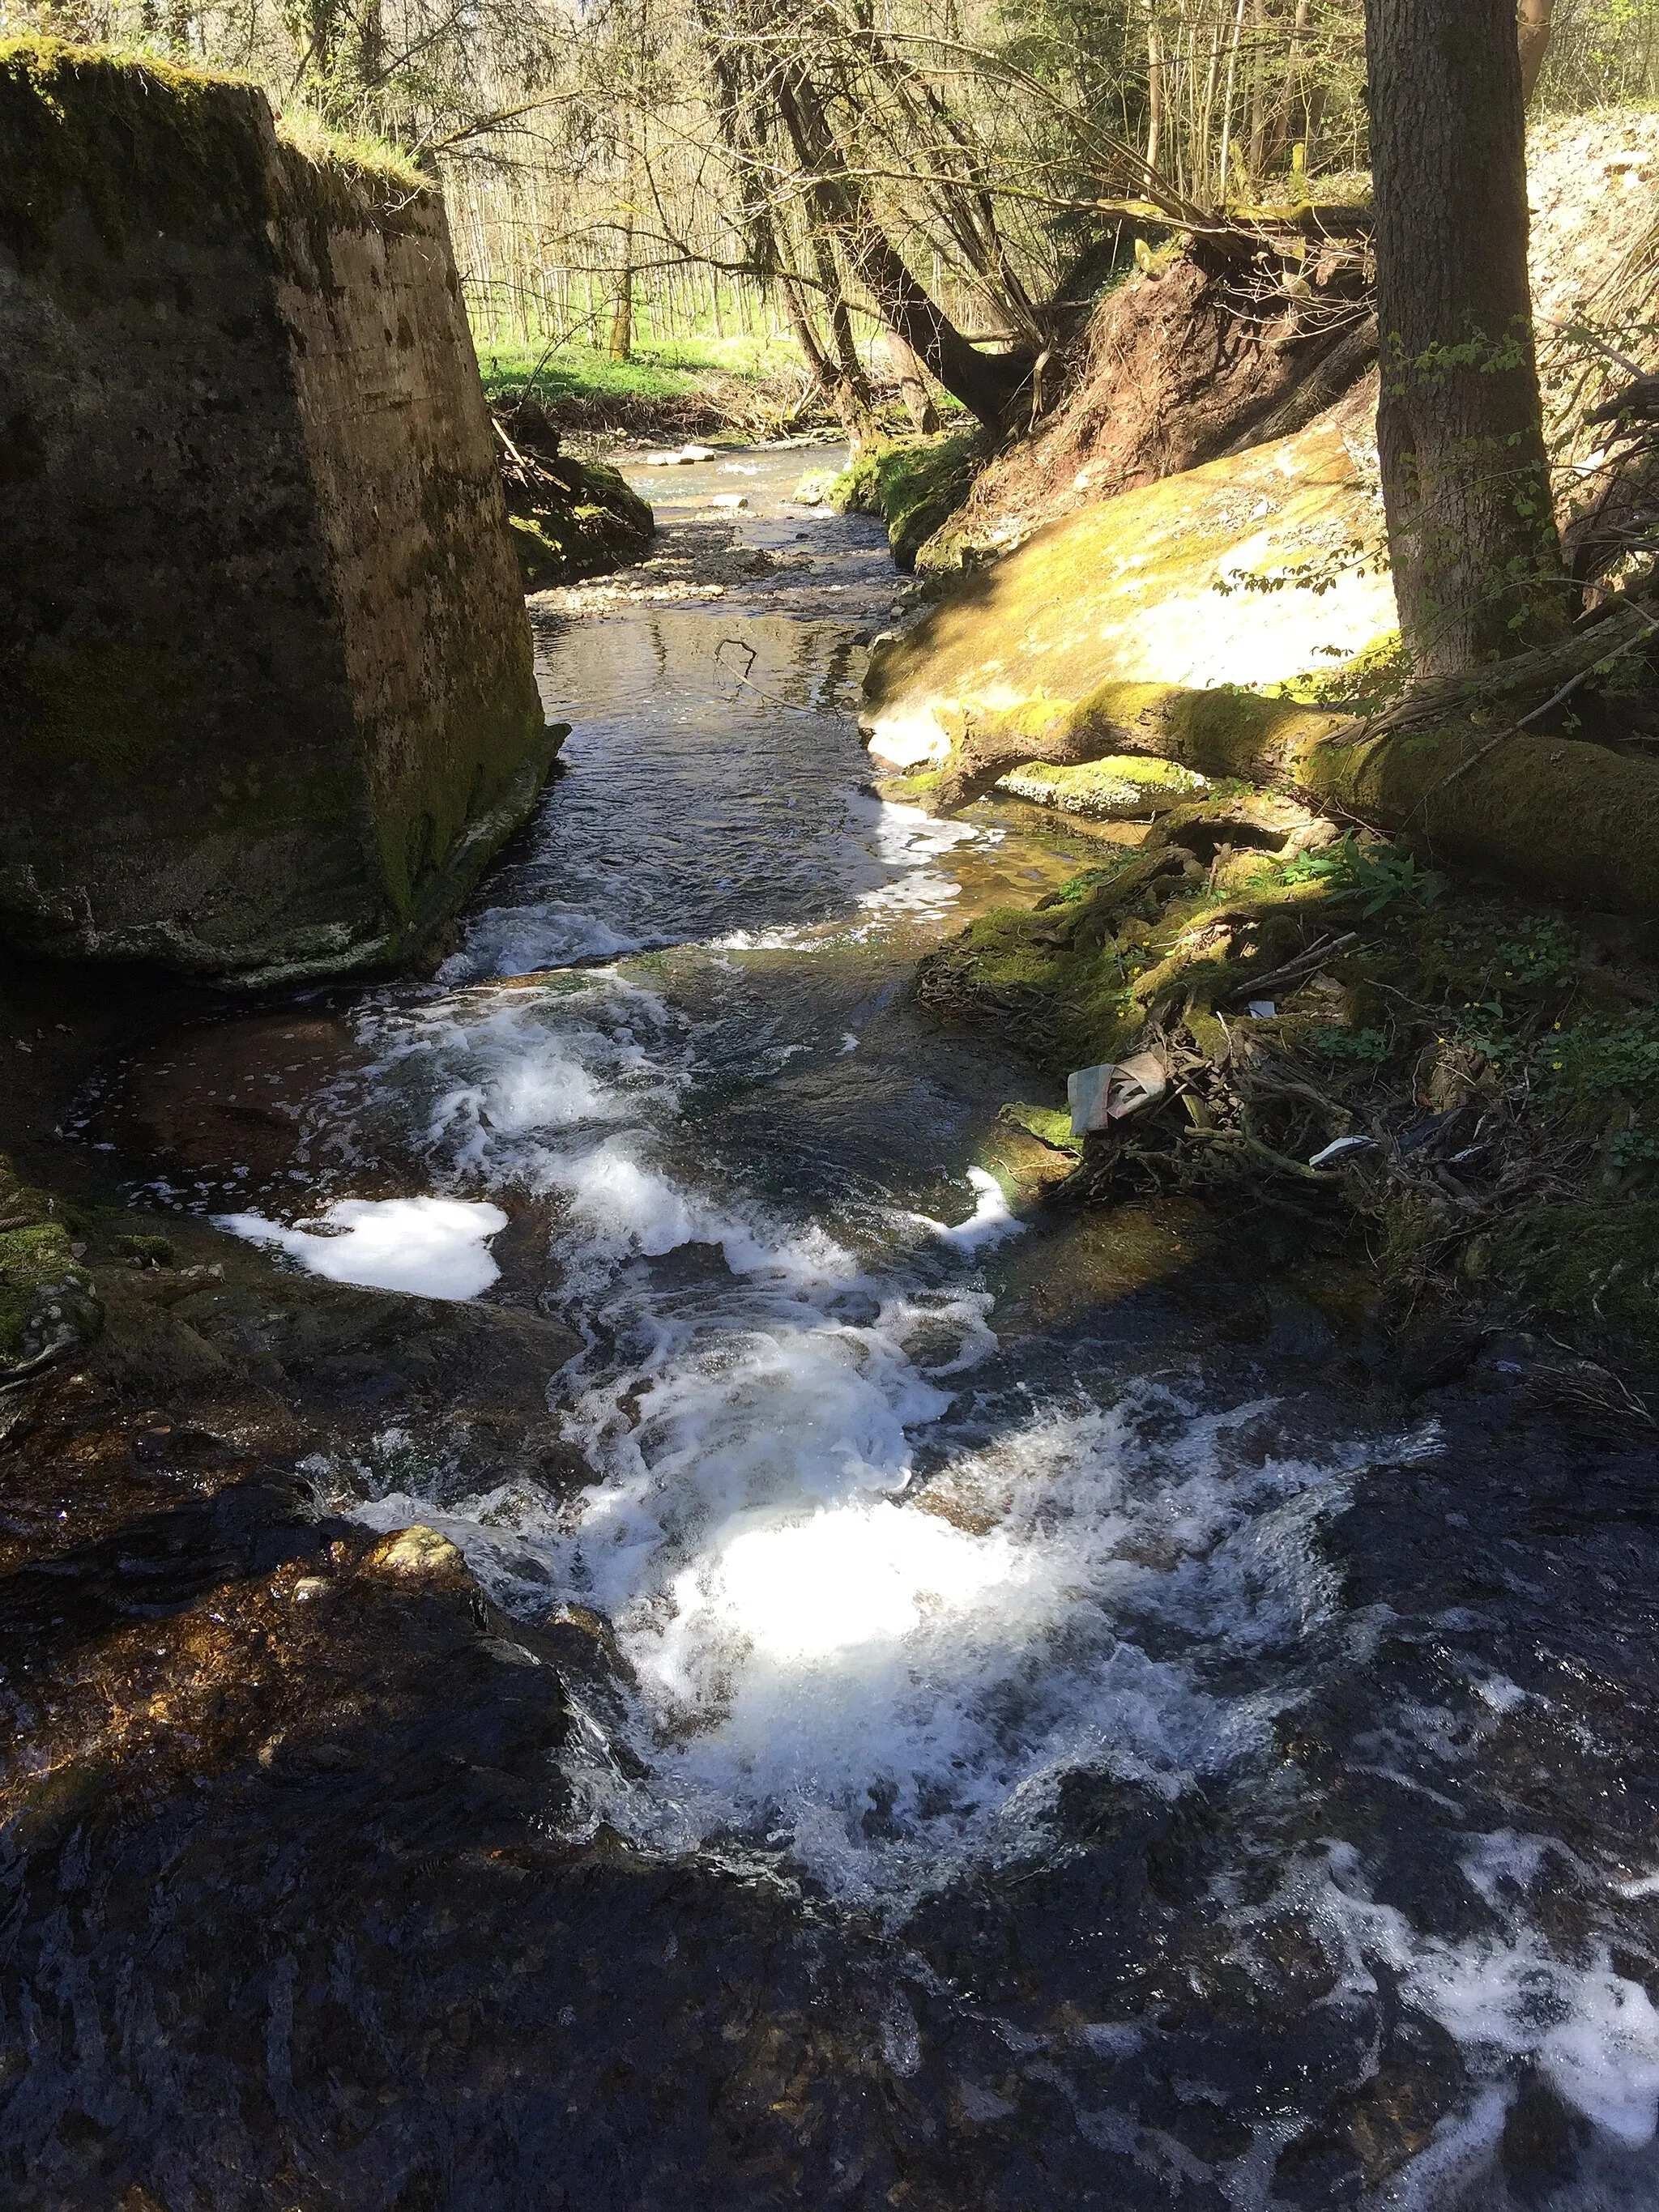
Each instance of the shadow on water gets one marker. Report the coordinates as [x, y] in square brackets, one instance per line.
[1026, 1714]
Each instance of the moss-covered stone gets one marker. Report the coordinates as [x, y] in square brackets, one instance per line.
[46, 1301]
[131, 137]
[1235, 575]
[913, 483]
[579, 519]
[1134, 627]
[1125, 788]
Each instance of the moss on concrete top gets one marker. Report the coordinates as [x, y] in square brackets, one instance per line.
[126, 132]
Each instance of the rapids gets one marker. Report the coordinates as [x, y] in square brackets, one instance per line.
[1179, 1767]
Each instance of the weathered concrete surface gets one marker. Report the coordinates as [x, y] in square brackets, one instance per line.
[265, 678]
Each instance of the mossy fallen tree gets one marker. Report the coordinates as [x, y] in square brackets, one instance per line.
[1457, 766]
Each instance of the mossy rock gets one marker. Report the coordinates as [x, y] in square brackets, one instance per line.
[916, 484]
[46, 1301]
[1234, 574]
[1049, 1125]
[583, 520]
[1126, 789]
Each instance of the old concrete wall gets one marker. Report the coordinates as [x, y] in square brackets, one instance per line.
[266, 702]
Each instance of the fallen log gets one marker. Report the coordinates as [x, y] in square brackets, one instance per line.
[1454, 766]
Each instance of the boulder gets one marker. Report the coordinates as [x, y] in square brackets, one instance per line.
[1237, 573]
[1192, 620]
[914, 484]
[265, 673]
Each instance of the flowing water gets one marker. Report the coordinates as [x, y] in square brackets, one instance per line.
[1166, 1764]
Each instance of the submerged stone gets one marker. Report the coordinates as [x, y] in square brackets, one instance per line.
[266, 680]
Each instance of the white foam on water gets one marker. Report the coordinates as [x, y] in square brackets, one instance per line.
[1592, 2033]
[886, 1684]
[889, 1687]
[991, 1221]
[437, 1248]
[523, 940]
[885, 1674]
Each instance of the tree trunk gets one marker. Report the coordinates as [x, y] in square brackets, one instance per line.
[1154, 91]
[621, 346]
[622, 316]
[985, 383]
[1258, 93]
[1460, 429]
[849, 387]
[1458, 767]
[1534, 26]
[913, 389]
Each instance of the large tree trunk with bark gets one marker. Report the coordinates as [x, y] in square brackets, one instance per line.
[1471, 529]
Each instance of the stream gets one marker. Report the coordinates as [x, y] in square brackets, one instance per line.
[1071, 1728]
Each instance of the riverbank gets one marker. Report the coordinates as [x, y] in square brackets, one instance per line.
[740, 387]
[961, 1671]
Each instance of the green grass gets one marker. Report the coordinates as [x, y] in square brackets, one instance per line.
[665, 370]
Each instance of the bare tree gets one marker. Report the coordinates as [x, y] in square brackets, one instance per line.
[1533, 23]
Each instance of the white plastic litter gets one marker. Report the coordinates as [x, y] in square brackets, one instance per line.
[1262, 1010]
[1113, 1091]
[1341, 1148]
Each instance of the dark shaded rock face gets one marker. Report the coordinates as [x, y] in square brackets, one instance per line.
[569, 518]
[265, 674]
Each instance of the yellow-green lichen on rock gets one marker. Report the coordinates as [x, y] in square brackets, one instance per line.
[1202, 580]
[1202, 619]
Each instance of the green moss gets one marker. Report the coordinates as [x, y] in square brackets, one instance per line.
[112, 707]
[1077, 976]
[149, 1251]
[144, 141]
[1049, 1125]
[35, 1263]
[914, 484]
[1595, 1267]
[371, 162]
[20, 1203]
[136, 140]
[1117, 789]
[582, 519]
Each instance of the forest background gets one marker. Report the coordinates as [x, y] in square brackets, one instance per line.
[803, 185]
